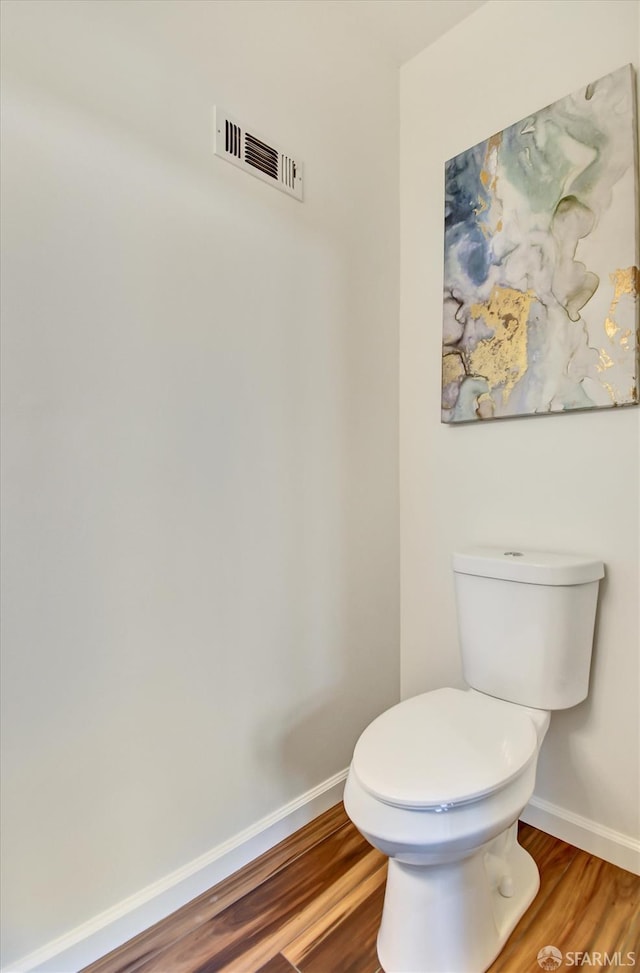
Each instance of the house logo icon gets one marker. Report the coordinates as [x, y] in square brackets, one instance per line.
[549, 958]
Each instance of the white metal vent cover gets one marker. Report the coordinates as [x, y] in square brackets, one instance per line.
[255, 154]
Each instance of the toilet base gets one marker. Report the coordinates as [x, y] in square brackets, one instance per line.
[455, 917]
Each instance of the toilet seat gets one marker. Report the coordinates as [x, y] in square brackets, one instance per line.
[443, 748]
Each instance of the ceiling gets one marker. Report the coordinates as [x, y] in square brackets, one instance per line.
[404, 27]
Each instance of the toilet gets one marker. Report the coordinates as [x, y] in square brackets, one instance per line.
[437, 783]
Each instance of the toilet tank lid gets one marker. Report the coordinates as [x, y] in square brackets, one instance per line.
[528, 567]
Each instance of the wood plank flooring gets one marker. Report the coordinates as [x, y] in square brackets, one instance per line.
[312, 904]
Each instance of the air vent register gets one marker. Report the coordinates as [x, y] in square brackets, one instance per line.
[256, 155]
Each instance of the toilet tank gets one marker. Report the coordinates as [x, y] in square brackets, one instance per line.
[526, 623]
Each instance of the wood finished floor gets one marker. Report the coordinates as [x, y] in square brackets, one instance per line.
[312, 904]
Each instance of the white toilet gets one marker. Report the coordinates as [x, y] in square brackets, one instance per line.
[438, 782]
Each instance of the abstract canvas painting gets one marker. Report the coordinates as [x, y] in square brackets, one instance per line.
[541, 277]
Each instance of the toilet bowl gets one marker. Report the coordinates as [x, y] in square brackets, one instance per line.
[437, 782]
[440, 781]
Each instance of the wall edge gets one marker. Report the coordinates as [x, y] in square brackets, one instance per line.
[596, 839]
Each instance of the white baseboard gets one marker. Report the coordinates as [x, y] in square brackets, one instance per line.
[93, 939]
[594, 838]
[115, 926]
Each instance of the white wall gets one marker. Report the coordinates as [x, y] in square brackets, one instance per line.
[559, 482]
[200, 442]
